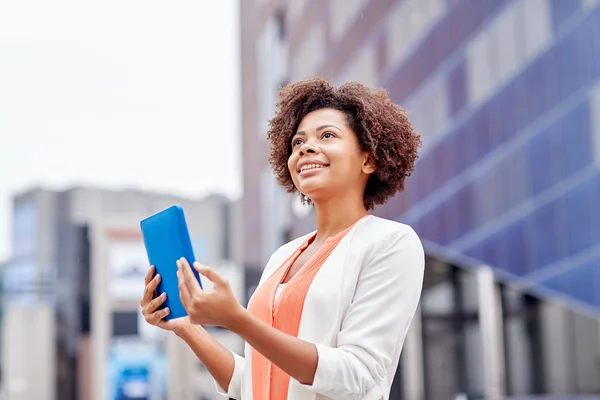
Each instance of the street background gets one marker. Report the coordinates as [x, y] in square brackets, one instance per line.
[111, 111]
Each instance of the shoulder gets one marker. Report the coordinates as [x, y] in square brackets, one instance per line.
[381, 231]
[388, 244]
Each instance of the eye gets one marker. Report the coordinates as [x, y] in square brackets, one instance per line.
[328, 135]
[296, 142]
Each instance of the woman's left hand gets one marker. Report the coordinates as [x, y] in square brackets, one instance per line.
[217, 307]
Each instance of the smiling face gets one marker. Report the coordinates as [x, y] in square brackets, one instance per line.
[326, 159]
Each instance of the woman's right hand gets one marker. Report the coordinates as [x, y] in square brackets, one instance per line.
[150, 306]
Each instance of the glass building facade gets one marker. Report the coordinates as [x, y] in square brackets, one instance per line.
[505, 195]
[512, 178]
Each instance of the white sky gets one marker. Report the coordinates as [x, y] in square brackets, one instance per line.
[118, 93]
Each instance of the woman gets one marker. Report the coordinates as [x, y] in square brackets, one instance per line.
[332, 309]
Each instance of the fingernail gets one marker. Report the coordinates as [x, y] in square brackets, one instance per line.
[167, 311]
[164, 295]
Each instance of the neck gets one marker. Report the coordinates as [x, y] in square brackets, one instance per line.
[336, 214]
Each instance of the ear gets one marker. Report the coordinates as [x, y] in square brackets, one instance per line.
[368, 166]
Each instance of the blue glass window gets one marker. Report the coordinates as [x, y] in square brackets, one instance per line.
[548, 237]
[576, 132]
[585, 282]
[562, 10]
[577, 222]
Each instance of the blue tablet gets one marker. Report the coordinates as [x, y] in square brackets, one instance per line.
[167, 239]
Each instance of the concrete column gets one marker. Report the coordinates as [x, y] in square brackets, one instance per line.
[413, 379]
[100, 318]
[28, 356]
[490, 324]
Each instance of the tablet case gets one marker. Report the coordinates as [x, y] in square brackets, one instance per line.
[167, 239]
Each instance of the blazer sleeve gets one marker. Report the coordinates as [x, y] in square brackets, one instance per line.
[235, 385]
[385, 301]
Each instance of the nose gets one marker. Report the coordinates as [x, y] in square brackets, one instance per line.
[308, 148]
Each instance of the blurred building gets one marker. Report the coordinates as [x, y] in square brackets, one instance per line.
[72, 324]
[506, 94]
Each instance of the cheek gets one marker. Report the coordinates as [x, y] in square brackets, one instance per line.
[291, 164]
[346, 164]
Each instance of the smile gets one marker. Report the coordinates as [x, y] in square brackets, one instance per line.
[312, 166]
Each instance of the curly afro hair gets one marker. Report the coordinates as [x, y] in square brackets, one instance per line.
[382, 128]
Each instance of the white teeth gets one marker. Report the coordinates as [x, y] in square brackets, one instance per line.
[311, 166]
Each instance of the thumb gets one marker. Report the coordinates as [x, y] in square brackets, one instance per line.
[209, 273]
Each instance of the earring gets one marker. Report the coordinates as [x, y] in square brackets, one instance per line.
[305, 200]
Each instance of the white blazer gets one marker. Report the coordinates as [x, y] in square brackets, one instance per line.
[357, 313]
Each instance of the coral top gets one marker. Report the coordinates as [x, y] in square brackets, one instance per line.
[269, 382]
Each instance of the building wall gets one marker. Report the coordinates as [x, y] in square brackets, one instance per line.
[505, 94]
[26, 374]
[64, 272]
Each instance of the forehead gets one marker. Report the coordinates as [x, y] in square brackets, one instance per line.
[324, 116]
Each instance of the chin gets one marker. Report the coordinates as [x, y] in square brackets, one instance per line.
[316, 194]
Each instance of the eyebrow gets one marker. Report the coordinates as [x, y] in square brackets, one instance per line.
[320, 128]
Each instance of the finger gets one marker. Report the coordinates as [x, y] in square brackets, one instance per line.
[184, 293]
[149, 274]
[210, 273]
[160, 315]
[154, 304]
[188, 277]
[150, 289]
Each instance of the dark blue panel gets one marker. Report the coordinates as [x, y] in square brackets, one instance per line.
[576, 132]
[515, 179]
[444, 162]
[457, 84]
[466, 210]
[519, 259]
[450, 157]
[429, 227]
[520, 100]
[562, 10]
[490, 251]
[557, 143]
[497, 114]
[481, 124]
[453, 219]
[466, 146]
[421, 175]
[585, 282]
[548, 238]
[541, 160]
[502, 250]
[595, 208]
[442, 219]
[578, 204]
[567, 65]
[595, 34]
